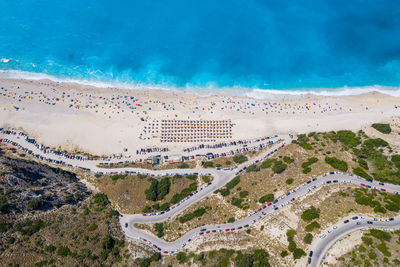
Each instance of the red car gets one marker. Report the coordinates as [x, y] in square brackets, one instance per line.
[201, 233]
[383, 189]
[165, 252]
[292, 200]
[214, 231]
[269, 204]
[232, 229]
[259, 209]
[362, 184]
[226, 230]
[207, 232]
[144, 214]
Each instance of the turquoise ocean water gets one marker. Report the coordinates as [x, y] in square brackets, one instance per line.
[216, 45]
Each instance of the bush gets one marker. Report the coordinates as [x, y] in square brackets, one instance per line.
[310, 214]
[306, 170]
[192, 177]
[284, 253]
[151, 192]
[266, 198]
[235, 181]
[289, 181]
[290, 233]
[243, 194]
[288, 160]
[298, 253]
[360, 172]
[381, 235]
[236, 201]
[348, 138]
[163, 188]
[279, 167]
[382, 127]
[302, 140]
[253, 168]
[159, 227]
[184, 193]
[206, 179]
[92, 227]
[183, 166]
[267, 163]
[63, 251]
[308, 238]
[197, 213]
[116, 177]
[239, 159]
[100, 200]
[181, 257]
[311, 226]
[337, 163]
[208, 164]
[363, 164]
[231, 220]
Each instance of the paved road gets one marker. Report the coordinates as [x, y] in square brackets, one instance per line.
[221, 177]
[323, 243]
[267, 210]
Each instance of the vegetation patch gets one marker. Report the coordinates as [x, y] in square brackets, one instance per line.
[382, 127]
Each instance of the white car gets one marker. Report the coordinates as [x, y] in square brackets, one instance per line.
[323, 236]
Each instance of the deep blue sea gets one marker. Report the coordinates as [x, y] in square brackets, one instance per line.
[265, 44]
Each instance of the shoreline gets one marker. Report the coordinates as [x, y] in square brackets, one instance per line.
[250, 92]
[106, 121]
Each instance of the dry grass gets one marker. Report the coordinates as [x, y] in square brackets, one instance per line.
[129, 194]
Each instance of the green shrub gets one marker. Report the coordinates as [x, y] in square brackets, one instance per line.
[183, 165]
[159, 228]
[337, 163]
[363, 164]
[63, 251]
[267, 163]
[288, 160]
[243, 194]
[306, 170]
[289, 181]
[236, 201]
[116, 177]
[311, 226]
[92, 227]
[253, 168]
[360, 172]
[290, 233]
[279, 167]
[206, 179]
[382, 127]
[348, 138]
[381, 235]
[266, 198]
[181, 257]
[184, 193]
[208, 164]
[231, 220]
[239, 159]
[234, 182]
[163, 188]
[284, 253]
[298, 253]
[197, 213]
[308, 238]
[310, 214]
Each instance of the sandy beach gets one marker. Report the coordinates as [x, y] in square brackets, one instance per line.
[105, 121]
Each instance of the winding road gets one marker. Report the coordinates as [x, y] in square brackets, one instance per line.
[221, 177]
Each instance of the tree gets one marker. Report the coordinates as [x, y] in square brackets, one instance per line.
[310, 214]
[298, 253]
[308, 238]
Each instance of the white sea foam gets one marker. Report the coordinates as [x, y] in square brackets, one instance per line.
[211, 89]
